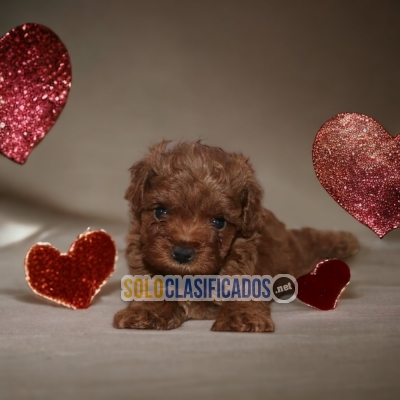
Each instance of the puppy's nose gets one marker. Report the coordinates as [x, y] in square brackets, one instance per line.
[182, 254]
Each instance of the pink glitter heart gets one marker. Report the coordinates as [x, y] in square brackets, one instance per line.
[35, 78]
[358, 163]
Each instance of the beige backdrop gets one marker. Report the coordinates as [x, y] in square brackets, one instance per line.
[259, 77]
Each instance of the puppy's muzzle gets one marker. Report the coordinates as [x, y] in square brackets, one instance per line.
[182, 254]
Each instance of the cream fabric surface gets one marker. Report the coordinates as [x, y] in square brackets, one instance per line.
[48, 351]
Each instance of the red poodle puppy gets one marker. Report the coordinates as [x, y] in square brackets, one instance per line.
[197, 210]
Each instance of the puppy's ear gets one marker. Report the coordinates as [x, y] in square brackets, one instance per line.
[140, 176]
[252, 207]
[141, 173]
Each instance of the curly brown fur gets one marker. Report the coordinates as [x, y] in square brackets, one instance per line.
[195, 184]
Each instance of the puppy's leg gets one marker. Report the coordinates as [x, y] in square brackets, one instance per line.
[151, 315]
[327, 243]
[244, 316]
[316, 245]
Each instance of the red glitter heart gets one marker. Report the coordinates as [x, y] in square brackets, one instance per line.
[72, 279]
[35, 78]
[322, 287]
[358, 163]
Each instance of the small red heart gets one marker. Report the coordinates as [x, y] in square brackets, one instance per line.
[72, 279]
[358, 163]
[35, 78]
[322, 287]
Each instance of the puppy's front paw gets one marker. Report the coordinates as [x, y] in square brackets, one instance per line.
[243, 323]
[149, 318]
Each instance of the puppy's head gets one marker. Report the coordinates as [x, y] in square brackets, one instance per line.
[192, 201]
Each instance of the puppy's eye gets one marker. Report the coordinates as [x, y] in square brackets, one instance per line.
[160, 212]
[219, 223]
